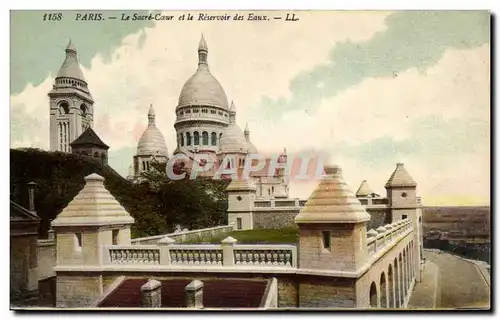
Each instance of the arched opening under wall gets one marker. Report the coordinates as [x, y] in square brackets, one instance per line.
[401, 280]
[390, 278]
[188, 138]
[373, 296]
[383, 291]
[405, 274]
[397, 300]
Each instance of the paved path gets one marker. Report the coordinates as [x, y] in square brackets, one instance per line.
[460, 283]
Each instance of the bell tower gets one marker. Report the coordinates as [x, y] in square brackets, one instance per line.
[71, 104]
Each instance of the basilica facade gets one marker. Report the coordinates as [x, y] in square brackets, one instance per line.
[206, 125]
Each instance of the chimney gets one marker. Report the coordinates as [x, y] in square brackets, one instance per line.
[151, 294]
[31, 194]
[194, 294]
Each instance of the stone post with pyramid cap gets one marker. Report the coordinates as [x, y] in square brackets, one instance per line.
[332, 238]
[332, 226]
[92, 220]
[402, 195]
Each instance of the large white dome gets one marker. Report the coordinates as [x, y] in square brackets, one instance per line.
[202, 88]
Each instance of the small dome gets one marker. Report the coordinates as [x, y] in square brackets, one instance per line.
[202, 88]
[152, 142]
[251, 147]
[233, 140]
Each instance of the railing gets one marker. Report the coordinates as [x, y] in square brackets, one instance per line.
[184, 235]
[195, 254]
[265, 255]
[228, 253]
[133, 255]
[386, 235]
[276, 203]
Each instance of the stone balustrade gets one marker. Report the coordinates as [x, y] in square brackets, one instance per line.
[279, 203]
[386, 235]
[146, 254]
[181, 236]
[226, 254]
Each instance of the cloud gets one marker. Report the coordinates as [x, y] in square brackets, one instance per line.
[412, 39]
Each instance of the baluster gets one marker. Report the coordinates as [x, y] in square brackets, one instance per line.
[184, 257]
[281, 257]
[219, 257]
[173, 256]
[238, 257]
[268, 258]
[262, 258]
[275, 258]
[140, 257]
[213, 257]
[250, 257]
[157, 256]
[196, 257]
[287, 258]
[113, 256]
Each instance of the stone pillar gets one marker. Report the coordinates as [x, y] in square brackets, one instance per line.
[165, 244]
[228, 251]
[151, 294]
[31, 194]
[51, 235]
[194, 294]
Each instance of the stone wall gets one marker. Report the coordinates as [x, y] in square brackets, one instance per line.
[379, 217]
[193, 235]
[46, 258]
[326, 292]
[274, 219]
[78, 289]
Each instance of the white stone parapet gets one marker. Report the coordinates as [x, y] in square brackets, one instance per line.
[226, 254]
[387, 235]
[183, 235]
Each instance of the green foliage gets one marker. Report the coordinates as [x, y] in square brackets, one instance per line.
[256, 236]
[157, 204]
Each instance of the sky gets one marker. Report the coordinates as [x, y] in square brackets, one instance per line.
[367, 88]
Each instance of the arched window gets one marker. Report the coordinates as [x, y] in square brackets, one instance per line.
[196, 138]
[83, 108]
[205, 138]
[182, 139]
[214, 139]
[188, 138]
[63, 108]
[373, 295]
[103, 157]
[144, 165]
[96, 154]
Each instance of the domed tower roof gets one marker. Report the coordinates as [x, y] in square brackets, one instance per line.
[202, 88]
[332, 202]
[233, 140]
[71, 67]
[152, 142]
